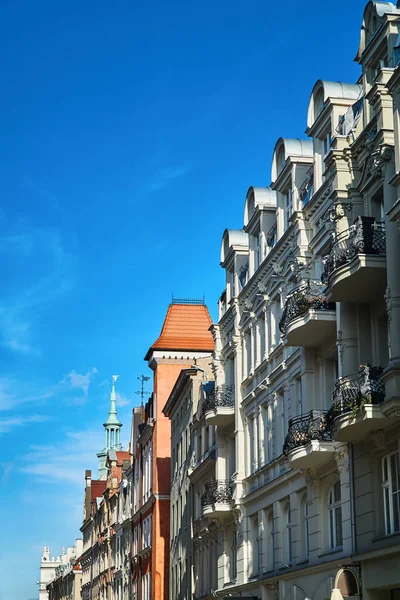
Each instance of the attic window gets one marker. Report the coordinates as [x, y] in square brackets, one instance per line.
[372, 27]
[243, 274]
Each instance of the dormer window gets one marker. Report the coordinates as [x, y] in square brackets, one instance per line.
[288, 207]
[257, 252]
[372, 26]
[243, 274]
[326, 144]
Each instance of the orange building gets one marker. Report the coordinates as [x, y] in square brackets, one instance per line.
[184, 337]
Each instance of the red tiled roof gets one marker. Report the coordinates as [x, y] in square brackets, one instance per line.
[97, 488]
[186, 327]
[122, 455]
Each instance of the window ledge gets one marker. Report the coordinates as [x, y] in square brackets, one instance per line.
[329, 552]
[305, 561]
[383, 537]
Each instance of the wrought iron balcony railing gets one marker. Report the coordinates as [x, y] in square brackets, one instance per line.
[217, 492]
[365, 236]
[352, 392]
[306, 428]
[299, 301]
[221, 395]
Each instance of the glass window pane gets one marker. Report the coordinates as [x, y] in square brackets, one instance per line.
[338, 524]
[337, 492]
[331, 530]
[385, 469]
[396, 512]
[393, 472]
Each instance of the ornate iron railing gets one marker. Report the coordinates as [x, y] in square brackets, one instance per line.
[302, 430]
[299, 301]
[353, 391]
[365, 236]
[221, 395]
[217, 492]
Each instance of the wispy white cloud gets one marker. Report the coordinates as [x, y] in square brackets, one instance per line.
[123, 400]
[65, 461]
[78, 381]
[15, 393]
[42, 270]
[166, 175]
[7, 468]
[10, 423]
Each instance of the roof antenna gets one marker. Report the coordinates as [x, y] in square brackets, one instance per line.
[142, 391]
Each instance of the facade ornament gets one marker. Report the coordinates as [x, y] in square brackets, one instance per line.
[276, 268]
[217, 367]
[248, 304]
[388, 299]
[380, 156]
[301, 267]
[262, 287]
[273, 590]
[309, 476]
[237, 514]
[378, 439]
[338, 211]
[340, 345]
[342, 458]
[394, 414]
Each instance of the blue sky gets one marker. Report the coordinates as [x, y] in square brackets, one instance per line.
[130, 134]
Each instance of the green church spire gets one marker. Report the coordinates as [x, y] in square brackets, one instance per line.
[112, 431]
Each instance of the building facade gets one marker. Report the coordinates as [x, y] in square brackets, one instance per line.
[51, 567]
[308, 340]
[184, 337]
[192, 566]
[67, 581]
[106, 526]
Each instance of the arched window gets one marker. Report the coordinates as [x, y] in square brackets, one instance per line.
[372, 26]
[319, 103]
[335, 517]
[280, 160]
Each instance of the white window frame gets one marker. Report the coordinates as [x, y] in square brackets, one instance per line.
[391, 496]
[288, 534]
[326, 144]
[335, 516]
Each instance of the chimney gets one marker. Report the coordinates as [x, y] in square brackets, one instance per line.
[88, 478]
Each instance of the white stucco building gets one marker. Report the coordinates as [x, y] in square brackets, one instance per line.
[53, 569]
[307, 464]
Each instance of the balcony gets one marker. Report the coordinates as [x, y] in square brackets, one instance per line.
[308, 443]
[219, 405]
[356, 405]
[355, 269]
[307, 318]
[216, 500]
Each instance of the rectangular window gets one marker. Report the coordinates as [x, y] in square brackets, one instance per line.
[146, 585]
[251, 445]
[267, 434]
[326, 144]
[391, 492]
[255, 549]
[257, 252]
[299, 396]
